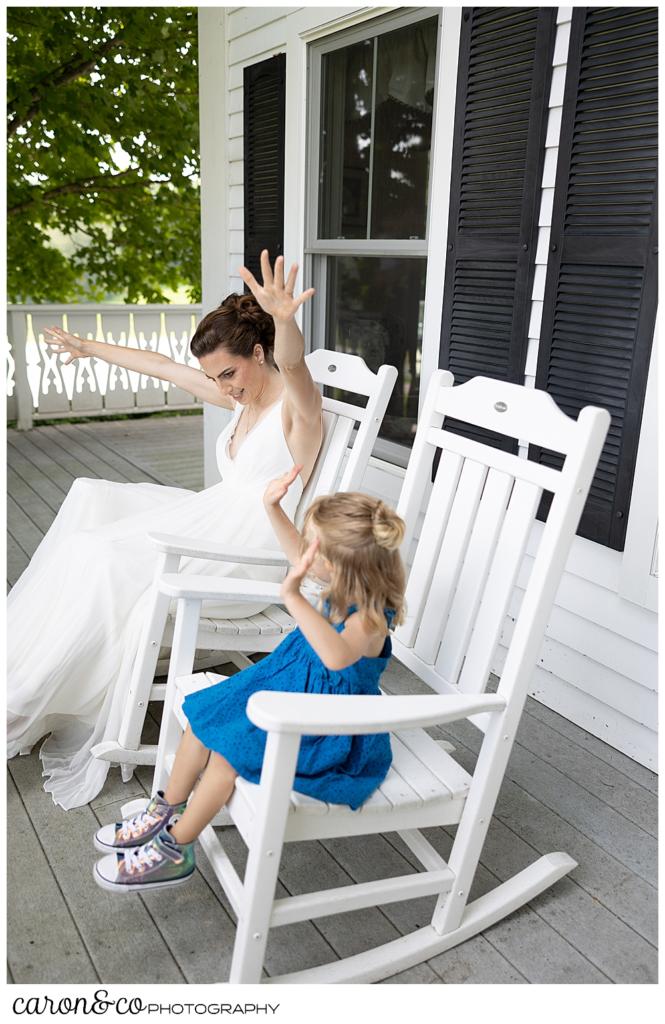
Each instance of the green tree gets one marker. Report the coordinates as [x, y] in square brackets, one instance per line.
[103, 147]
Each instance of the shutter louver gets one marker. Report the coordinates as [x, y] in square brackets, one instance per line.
[600, 294]
[264, 103]
[500, 123]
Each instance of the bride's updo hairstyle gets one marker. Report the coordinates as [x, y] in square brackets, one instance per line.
[360, 536]
[237, 325]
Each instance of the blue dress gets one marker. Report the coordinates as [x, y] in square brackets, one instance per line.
[336, 769]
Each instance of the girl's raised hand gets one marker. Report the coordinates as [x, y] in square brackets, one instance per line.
[275, 295]
[62, 341]
[276, 489]
[297, 572]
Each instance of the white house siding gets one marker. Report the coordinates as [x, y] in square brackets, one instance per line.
[598, 662]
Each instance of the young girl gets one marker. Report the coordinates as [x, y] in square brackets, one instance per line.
[352, 543]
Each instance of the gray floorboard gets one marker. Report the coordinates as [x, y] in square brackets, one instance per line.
[117, 952]
[24, 449]
[99, 457]
[564, 790]
[623, 764]
[605, 879]
[21, 526]
[29, 500]
[17, 560]
[632, 800]
[44, 940]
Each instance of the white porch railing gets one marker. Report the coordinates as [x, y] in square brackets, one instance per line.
[40, 386]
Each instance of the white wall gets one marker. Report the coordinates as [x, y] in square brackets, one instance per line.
[598, 662]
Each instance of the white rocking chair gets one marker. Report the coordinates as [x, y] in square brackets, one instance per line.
[479, 514]
[262, 632]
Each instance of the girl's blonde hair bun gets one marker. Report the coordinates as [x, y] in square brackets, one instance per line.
[387, 527]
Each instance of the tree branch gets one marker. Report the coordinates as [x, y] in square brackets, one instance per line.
[100, 183]
[67, 74]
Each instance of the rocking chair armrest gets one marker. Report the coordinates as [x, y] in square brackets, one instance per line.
[212, 588]
[194, 547]
[331, 714]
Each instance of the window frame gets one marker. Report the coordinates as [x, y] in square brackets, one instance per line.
[316, 248]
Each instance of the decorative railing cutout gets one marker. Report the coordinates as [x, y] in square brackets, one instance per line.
[41, 386]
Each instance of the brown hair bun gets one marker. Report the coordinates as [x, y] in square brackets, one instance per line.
[237, 325]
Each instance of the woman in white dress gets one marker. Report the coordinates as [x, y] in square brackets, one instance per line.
[75, 615]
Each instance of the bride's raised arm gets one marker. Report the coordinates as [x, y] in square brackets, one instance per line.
[276, 297]
[153, 364]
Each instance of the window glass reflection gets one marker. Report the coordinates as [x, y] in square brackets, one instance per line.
[403, 131]
[384, 133]
[346, 114]
[374, 310]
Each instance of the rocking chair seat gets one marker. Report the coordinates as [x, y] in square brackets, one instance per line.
[272, 621]
[424, 787]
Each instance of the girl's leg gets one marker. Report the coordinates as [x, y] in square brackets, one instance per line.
[190, 760]
[212, 792]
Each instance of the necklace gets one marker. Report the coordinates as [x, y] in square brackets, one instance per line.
[248, 425]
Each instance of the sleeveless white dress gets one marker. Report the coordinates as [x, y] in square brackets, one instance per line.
[75, 615]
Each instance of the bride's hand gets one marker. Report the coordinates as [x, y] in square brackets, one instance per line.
[275, 296]
[61, 341]
[276, 489]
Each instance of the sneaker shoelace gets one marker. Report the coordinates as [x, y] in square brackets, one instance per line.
[139, 860]
[139, 824]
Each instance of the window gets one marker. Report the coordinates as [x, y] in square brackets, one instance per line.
[371, 118]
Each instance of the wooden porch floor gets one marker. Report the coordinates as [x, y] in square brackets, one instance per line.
[564, 790]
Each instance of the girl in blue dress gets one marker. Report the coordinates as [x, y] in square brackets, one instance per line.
[351, 543]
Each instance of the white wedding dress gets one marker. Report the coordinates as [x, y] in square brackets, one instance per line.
[75, 615]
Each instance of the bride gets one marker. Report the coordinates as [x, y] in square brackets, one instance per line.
[75, 615]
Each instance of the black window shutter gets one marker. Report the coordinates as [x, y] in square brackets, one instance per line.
[503, 86]
[264, 90]
[601, 288]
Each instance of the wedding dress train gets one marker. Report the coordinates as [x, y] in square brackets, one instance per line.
[75, 615]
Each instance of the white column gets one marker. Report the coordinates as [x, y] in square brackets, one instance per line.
[441, 171]
[214, 193]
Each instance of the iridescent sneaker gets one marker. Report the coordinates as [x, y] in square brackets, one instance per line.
[158, 863]
[139, 829]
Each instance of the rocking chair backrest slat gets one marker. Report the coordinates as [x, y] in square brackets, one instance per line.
[429, 545]
[472, 582]
[509, 551]
[343, 456]
[418, 473]
[337, 432]
[449, 562]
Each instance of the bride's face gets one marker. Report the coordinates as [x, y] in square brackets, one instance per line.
[242, 379]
